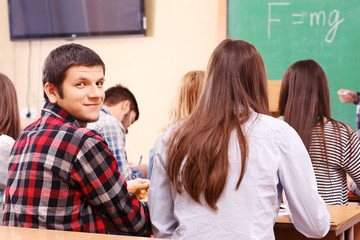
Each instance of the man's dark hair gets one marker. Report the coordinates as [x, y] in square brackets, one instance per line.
[119, 93]
[62, 58]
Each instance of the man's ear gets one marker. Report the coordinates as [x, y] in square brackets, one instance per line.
[50, 91]
[125, 106]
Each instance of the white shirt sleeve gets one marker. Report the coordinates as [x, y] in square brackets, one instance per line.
[6, 144]
[307, 208]
[161, 206]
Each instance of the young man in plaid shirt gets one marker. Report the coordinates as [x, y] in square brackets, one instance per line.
[61, 175]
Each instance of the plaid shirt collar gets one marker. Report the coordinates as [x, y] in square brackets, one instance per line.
[105, 110]
[54, 109]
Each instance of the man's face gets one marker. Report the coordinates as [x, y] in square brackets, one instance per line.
[83, 93]
[129, 118]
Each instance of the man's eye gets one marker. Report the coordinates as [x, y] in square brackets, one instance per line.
[80, 84]
[100, 83]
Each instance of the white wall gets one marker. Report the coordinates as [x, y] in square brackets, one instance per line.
[181, 36]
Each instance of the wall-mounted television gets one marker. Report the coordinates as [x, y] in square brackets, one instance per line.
[37, 19]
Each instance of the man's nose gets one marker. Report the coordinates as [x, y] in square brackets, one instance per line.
[95, 91]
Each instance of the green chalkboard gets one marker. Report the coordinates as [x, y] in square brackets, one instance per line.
[284, 32]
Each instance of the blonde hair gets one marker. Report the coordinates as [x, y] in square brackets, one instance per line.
[188, 93]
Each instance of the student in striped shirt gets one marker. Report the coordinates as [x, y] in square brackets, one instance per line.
[334, 147]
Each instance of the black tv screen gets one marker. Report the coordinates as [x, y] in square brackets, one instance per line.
[34, 19]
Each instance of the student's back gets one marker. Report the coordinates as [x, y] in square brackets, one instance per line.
[219, 173]
[277, 159]
[333, 146]
[343, 156]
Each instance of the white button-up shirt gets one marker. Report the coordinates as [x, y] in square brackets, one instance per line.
[277, 161]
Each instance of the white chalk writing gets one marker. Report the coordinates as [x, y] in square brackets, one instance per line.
[269, 15]
[300, 16]
[316, 19]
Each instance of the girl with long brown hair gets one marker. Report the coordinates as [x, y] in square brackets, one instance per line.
[9, 129]
[334, 147]
[220, 172]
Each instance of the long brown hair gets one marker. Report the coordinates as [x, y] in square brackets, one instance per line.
[304, 98]
[235, 81]
[9, 110]
[305, 104]
[188, 94]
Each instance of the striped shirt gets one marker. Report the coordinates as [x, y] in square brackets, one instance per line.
[331, 180]
[63, 177]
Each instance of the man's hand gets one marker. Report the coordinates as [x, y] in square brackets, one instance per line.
[139, 187]
[347, 96]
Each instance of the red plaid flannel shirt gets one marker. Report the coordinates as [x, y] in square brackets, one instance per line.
[63, 176]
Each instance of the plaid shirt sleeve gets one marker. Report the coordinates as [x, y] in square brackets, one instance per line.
[105, 188]
[114, 134]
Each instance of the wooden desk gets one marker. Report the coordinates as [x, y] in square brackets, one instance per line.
[18, 233]
[342, 222]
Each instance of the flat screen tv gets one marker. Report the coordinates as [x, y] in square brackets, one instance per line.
[36, 19]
